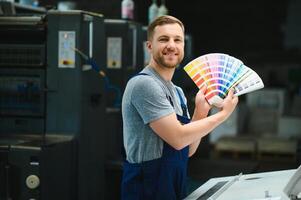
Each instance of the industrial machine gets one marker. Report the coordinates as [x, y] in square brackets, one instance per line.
[52, 106]
[75, 98]
[35, 167]
[124, 55]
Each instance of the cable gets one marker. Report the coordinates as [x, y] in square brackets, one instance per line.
[108, 85]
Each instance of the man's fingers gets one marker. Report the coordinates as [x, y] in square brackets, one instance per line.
[231, 93]
[203, 89]
[235, 99]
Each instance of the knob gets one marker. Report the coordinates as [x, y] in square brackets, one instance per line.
[32, 181]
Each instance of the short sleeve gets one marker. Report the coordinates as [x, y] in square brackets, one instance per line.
[150, 100]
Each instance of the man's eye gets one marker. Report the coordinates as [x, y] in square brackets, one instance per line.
[163, 39]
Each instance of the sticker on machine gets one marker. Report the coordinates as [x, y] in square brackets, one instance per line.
[66, 57]
[114, 52]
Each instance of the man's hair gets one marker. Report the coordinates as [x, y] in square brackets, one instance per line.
[162, 20]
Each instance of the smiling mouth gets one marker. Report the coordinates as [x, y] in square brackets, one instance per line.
[170, 54]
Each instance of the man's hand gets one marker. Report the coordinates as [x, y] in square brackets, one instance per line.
[202, 106]
[229, 103]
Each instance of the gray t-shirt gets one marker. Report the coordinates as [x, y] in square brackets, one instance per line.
[145, 100]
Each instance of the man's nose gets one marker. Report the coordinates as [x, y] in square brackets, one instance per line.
[171, 44]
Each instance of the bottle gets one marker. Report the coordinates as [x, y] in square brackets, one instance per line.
[152, 11]
[35, 3]
[127, 9]
[162, 10]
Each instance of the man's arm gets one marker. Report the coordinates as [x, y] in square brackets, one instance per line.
[201, 111]
[180, 136]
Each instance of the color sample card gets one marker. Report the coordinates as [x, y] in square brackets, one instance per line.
[220, 72]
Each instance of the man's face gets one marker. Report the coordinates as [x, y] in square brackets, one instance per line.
[167, 45]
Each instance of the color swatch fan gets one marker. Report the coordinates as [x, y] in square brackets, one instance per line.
[221, 72]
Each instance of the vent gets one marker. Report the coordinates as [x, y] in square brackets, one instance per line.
[22, 55]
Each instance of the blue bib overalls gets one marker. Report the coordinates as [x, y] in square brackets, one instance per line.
[163, 178]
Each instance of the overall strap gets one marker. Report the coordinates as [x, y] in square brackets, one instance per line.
[141, 73]
[183, 105]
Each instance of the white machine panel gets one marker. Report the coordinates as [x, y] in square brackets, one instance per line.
[259, 186]
[66, 57]
[114, 52]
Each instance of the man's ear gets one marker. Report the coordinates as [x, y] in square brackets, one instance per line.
[149, 45]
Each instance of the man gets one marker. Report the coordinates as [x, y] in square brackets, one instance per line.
[157, 136]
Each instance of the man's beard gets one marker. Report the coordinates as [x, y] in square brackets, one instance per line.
[161, 62]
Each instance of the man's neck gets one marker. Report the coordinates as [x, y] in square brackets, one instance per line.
[164, 72]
